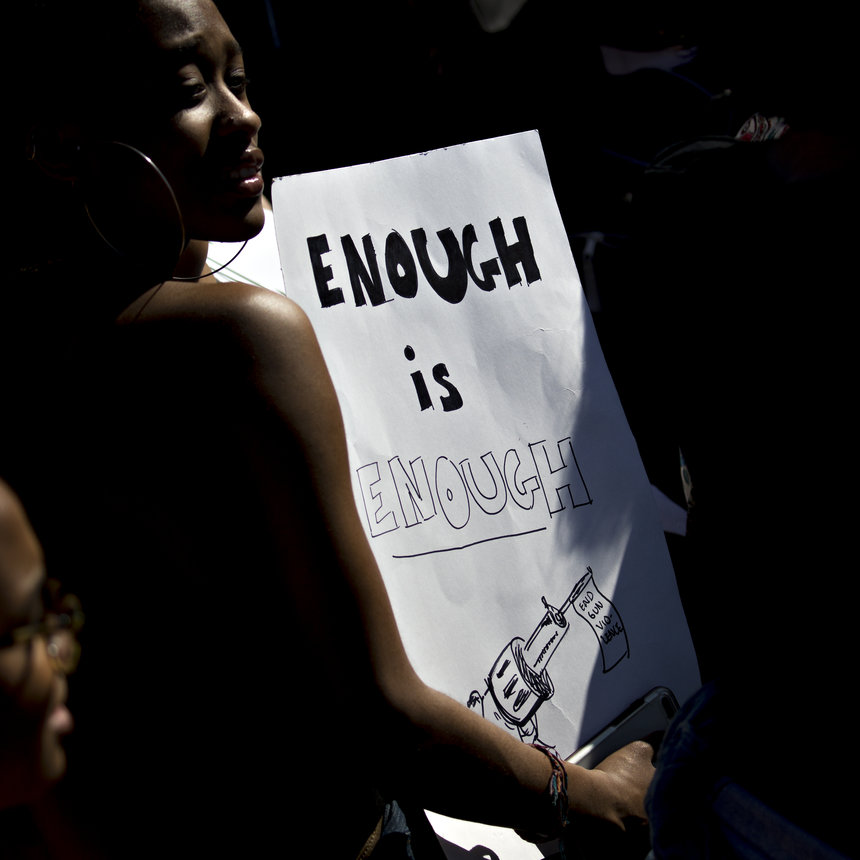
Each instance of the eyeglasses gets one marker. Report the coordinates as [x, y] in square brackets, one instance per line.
[60, 627]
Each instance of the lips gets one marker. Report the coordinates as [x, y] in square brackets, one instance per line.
[244, 172]
[245, 178]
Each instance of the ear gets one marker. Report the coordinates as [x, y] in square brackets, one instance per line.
[55, 151]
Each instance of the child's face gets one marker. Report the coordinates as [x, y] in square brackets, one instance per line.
[33, 715]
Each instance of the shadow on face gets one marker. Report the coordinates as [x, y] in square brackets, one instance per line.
[33, 716]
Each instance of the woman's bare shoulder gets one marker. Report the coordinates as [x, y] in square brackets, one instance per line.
[271, 326]
[268, 330]
[253, 308]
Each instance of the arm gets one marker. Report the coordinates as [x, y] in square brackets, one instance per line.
[426, 745]
[455, 749]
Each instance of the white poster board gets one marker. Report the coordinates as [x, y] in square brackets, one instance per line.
[495, 473]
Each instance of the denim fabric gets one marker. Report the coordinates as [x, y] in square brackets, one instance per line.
[753, 831]
[395, 842]
[698, 813]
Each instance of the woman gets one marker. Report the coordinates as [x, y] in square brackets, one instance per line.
[246, 680]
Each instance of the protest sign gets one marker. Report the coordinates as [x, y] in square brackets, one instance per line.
[493, 468]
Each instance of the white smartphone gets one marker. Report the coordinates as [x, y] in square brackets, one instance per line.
[645, 718]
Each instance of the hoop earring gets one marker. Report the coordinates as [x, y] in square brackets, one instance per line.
[212, 271]
[131, 205]
[93, 199]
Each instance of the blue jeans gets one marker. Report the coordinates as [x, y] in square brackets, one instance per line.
[698, 813]
[395, 842]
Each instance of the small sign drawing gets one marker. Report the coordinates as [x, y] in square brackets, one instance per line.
[518, 682]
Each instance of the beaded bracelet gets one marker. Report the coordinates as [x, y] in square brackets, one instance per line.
[557, 790]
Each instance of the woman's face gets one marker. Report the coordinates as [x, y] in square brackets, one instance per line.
[33, 715]
[189, 112]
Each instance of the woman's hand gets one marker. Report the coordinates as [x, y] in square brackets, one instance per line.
[614, 790]
[629, 771]
[608, 819]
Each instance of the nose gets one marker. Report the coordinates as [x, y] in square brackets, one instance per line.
[237, 115]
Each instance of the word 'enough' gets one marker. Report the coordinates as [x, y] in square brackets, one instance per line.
[410, 495]
[366, 281]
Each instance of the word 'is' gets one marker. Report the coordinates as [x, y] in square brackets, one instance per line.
[402, 264]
